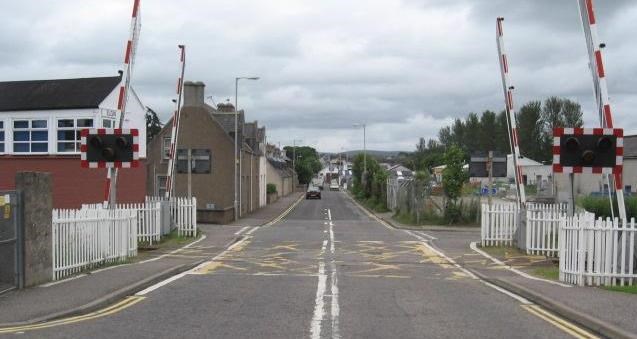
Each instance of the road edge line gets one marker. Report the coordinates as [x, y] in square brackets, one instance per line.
[593, 324]
[108, 299]
[473, 246]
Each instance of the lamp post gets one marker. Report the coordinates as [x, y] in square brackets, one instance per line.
[237, 161]
[294, 161]
[364, 176]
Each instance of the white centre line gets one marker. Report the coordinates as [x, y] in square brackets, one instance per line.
[319, 303]
[335, 309]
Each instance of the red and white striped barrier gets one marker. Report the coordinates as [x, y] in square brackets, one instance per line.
[508, 98]
[589, 23]
[174, 135]
[129, 60]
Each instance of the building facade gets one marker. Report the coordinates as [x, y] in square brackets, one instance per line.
[206, 137]
[40, 123]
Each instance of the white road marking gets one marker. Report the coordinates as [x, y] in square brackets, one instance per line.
[175, 251]
[334, 309]
[241, 230]
[181, 275]
[319, 303]
[514, 270]
[252, 230]
[430, 237]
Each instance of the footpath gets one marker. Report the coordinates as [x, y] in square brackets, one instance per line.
[609, 313]
[94, 290]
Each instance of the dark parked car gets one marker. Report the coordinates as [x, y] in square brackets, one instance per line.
[313, 193]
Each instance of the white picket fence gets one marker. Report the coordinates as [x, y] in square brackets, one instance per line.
[183, 212]
[542, 228]
[148, 219]
[498, 224]
[597, 252]
[85, 238]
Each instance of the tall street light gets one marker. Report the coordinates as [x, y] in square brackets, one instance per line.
[294, 161]
[364, 176]
[237, 161]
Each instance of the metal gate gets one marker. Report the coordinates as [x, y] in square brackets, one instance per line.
[11, 253]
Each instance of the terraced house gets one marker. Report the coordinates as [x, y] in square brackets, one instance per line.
[206, 137]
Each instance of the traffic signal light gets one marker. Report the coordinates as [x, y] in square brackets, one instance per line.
[587, 150]
[107, 147]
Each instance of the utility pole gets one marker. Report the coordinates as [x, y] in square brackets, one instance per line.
[237, 154]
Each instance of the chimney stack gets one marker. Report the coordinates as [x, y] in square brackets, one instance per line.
[194, 93]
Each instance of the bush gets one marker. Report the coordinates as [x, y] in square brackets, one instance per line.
[271, 188]
[601, 207]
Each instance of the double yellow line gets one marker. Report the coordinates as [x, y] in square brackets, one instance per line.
[558, 322]
[126, 303]
[285, 213]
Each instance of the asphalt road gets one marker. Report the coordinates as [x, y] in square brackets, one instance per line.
[327, 270]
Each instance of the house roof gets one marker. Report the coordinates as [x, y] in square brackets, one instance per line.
[55, 94]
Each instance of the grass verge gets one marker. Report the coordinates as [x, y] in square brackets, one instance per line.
[632, 289]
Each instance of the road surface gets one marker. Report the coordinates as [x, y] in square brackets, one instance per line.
[327, 270]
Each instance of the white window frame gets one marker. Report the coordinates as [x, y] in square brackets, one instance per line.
[3, 141]
[29, 130]
[74, 128]
[164, 149]
[111, 121]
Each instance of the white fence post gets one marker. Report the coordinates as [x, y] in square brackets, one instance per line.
[597, 252]
[88, 237]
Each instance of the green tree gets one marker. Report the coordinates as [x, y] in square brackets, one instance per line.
[153, 124]
[501, 133]
[307, 162]
[531, 131]
[488, 132]
[453, 177]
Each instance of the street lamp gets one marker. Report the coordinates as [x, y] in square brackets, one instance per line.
[364, 176]
[294, 161]
[237, 155]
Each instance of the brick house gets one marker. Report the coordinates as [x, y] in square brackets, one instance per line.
[40, 122]
[208, 133]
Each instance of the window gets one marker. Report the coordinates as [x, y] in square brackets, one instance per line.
[1, 136]
[165, 150]
[108, 123]
[30, 136]
[628, 189]
[199, 161]
[68, 134]
[161, 185]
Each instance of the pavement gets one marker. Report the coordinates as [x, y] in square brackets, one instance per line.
[609, 313]
[87, 292]
[328, 269]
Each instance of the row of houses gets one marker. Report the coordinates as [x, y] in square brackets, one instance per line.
[40, 123]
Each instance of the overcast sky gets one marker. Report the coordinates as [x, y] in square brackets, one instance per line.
[403, 67]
